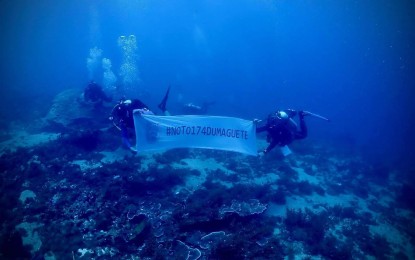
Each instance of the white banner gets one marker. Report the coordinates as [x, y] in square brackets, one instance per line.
[191, 131]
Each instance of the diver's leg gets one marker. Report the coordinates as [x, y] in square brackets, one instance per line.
[271, 146]
[124, 136]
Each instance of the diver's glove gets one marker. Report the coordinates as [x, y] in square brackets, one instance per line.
[256, 121]
[133, 150]
[290, 112]
[262, 153]
[301, 114]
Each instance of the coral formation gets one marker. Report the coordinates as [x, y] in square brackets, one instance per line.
[76, 196]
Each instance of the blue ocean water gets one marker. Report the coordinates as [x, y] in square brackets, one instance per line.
[350, 61]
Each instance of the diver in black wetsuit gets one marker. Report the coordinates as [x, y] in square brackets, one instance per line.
[93, 94]
[282, 129]
[122, 116]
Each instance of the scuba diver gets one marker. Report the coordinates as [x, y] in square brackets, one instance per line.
[94, 95]
[192, 109]
[282, 129]
[122, 116]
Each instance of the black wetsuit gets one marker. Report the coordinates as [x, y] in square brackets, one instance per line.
[124, 112]
[123, 117]
[94, 93]
[282, 132]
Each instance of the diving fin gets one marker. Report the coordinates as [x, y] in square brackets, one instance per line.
[163, 102]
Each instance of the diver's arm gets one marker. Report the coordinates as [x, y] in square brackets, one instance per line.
[126, 142]
[270, 146]
[262, 129]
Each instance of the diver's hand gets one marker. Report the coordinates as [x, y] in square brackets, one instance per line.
[290, 110]
[133, 150]
[256, 121]
[302, 114]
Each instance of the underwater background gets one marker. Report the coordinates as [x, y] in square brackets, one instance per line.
[350, 61]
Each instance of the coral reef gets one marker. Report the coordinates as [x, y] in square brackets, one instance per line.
[68, 112]
[78, 196]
